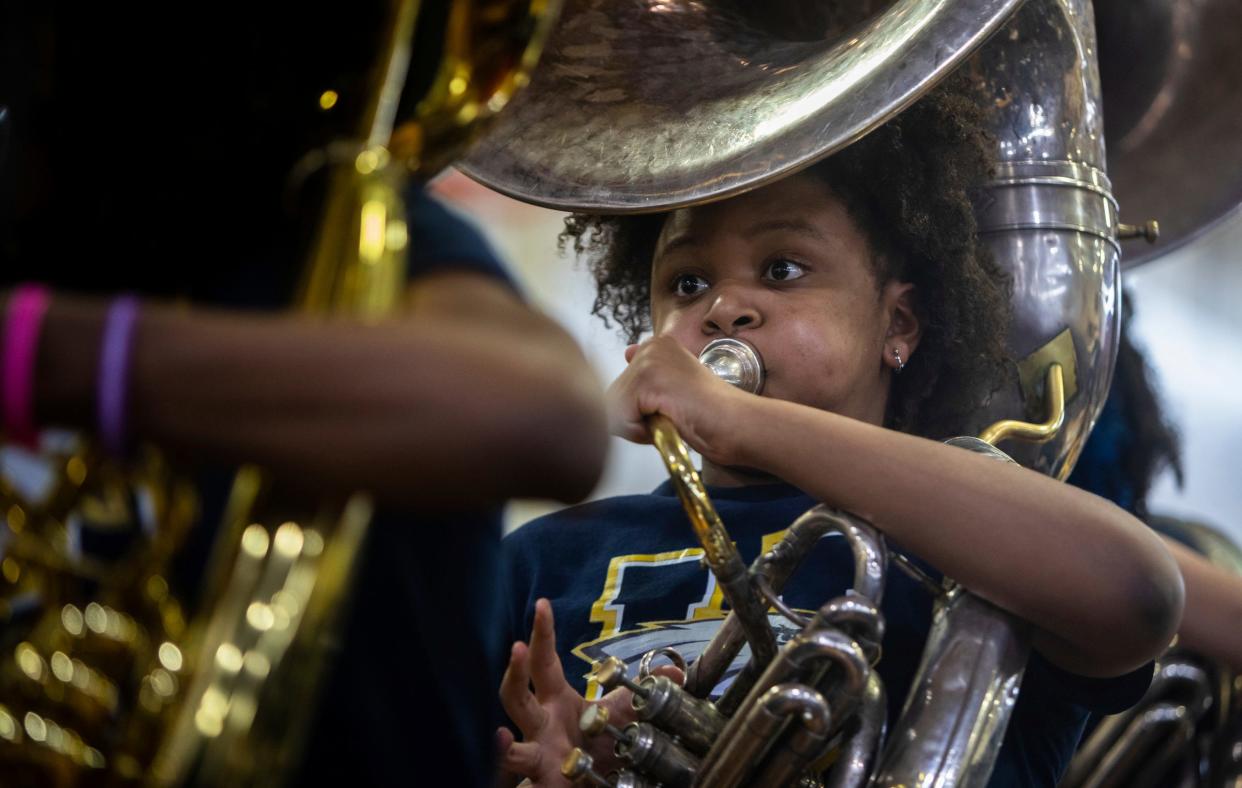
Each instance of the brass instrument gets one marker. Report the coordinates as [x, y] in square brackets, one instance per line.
[819, 696]
[103, 679]
[643, 107]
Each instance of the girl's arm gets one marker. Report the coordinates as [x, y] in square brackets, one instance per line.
[1098, 585]
[467, 399]
[1213, 607]
[1102, 592]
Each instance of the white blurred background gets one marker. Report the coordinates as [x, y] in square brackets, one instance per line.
[1188, 321]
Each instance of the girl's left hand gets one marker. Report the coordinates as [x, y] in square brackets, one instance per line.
[538, 698]
[663, 377]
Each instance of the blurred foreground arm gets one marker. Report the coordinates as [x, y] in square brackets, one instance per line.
[1213, 607]
[468, 398]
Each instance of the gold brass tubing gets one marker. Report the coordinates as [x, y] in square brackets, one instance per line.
[721, 554]
[703, 518]
[380, 115]
[1035, 433]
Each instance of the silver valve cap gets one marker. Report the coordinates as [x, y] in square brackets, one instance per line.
[736, 362]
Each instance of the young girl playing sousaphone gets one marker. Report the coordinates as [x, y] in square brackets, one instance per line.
[880, 324]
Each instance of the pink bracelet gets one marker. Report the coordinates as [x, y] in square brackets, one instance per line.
[22, 325]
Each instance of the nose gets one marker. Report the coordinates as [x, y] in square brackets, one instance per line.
[732, 308]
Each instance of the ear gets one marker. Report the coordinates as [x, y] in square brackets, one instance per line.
[899, 301]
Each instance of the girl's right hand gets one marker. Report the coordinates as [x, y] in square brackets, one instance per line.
[663, 377]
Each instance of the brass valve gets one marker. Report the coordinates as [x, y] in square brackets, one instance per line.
[594, 721]
[611, 673]
[1148, 230]
[577, 767]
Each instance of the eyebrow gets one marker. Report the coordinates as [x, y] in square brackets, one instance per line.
[798, 226]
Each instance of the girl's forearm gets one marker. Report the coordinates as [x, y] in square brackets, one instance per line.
[1095, 579]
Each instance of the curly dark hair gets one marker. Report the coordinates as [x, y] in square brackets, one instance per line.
[1134, 440]
[909, 185]
[1153, 444]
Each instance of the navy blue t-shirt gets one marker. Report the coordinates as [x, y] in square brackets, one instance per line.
[623, 576]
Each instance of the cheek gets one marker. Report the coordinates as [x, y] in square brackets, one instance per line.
[824, 359]
[819, 362]
[825, 342]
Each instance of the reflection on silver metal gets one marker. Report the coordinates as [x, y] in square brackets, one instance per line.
[857, 616]
[736, 362]
[673, 656]
[806, 713]
[655, 753]
[1174, 118]
[1048, 218]
[628, 779]
[747, 733]
[1050, 195]
[696, 723]
[1137, 746]
[721, 105]
[962, 697]
[858, 757]
[776, 566]
[971, 443]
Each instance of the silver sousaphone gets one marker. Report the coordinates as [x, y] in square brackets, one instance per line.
[649, 105]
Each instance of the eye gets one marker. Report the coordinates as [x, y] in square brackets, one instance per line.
[783, 270]
[688, 285]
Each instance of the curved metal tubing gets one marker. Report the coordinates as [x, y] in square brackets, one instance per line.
[776, 567]
[962, 697]
[1104, 757]
[722, 764]
[855, 615]
[808, 713]
[1155, 724]
[673, 655]
[853, 768]
[1009, 429]
[762, 724]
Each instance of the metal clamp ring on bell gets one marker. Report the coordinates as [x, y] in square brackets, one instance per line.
[736, 362]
